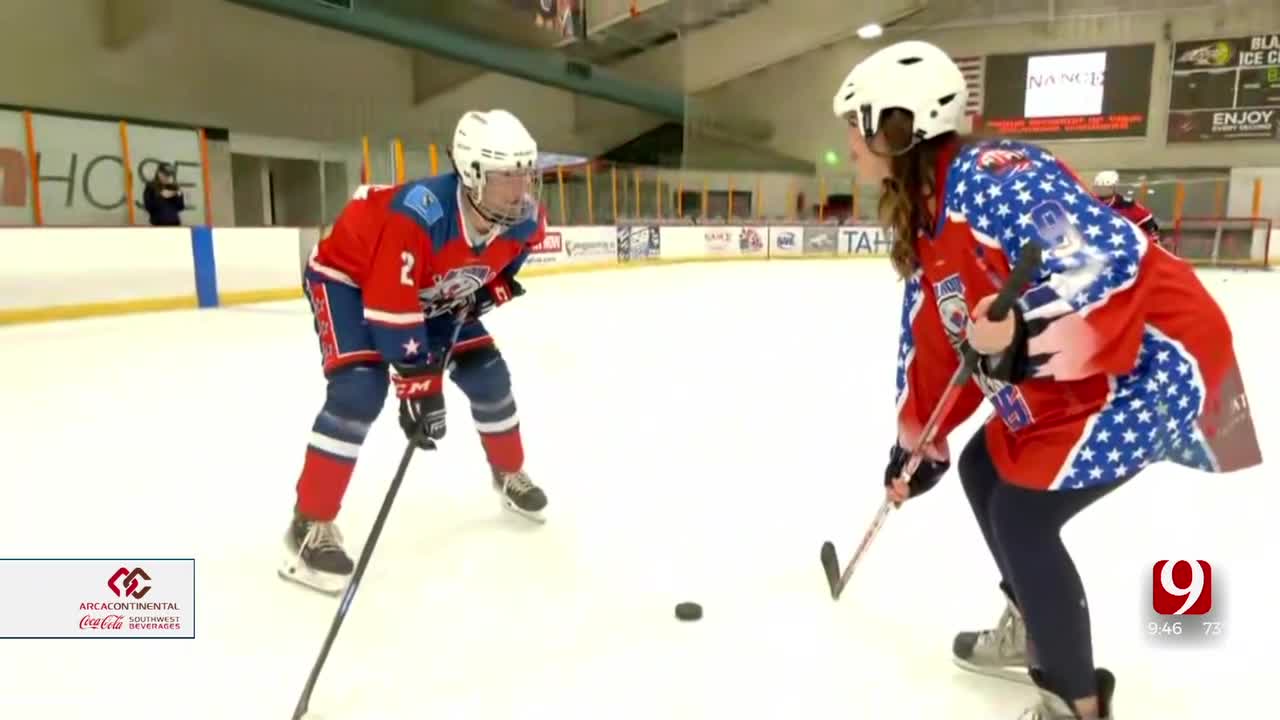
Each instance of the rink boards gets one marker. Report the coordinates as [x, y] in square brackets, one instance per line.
[61, 273]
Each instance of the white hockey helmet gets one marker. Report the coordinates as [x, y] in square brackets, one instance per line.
[496, 158]
[914, 76]
[1107, 179]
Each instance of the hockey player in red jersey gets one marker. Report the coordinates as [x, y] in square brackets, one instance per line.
[1115, 356]
[1104, 187]
[401, 267]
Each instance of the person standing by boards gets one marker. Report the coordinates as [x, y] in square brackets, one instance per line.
[1114, 357]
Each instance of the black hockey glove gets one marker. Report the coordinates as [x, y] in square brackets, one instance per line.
[499, 291]
[927, 473]
[1013, 365]
[421, 392]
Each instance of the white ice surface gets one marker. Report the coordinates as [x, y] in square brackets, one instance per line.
[700, 430]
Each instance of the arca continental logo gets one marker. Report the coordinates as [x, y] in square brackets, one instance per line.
[124, 583]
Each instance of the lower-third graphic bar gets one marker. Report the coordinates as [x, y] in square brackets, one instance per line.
[97, 598]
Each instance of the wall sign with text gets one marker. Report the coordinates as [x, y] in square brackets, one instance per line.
[1225, 89]
[1069, 94]
[81, 169]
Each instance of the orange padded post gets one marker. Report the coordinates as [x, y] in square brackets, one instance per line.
[33, 159]
[127, 158]
[204, 175]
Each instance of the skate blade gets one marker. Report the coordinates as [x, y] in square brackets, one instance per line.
[535, 516]
[326, 583]
[1010, 673]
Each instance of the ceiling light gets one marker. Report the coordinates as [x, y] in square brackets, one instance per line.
[869, 31]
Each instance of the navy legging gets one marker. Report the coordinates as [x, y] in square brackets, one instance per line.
[1023, 528]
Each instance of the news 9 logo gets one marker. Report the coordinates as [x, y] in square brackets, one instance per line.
[1182, 587]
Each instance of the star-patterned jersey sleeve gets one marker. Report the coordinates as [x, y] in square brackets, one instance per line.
[926, 362]
[1083, 312]
[392, 306]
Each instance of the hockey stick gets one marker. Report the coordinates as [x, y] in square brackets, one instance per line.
[305, 700]
[1023, 271]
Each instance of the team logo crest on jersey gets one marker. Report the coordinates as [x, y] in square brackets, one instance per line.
[952, 307]
[1003, 163]
[452, 289]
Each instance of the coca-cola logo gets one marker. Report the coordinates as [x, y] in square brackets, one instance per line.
[102, 622]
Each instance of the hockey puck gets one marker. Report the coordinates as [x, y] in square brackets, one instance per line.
[688, 611]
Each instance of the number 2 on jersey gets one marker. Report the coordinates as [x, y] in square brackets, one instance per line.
[405, 268]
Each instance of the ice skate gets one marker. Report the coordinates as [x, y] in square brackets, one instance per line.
[314, 556]
[999, 652]
[520, 495]
[1053, 707]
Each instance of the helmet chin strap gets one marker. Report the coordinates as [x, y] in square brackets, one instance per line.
[495, 227]
[479, 210]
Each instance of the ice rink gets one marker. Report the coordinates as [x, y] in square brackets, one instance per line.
[699, 429]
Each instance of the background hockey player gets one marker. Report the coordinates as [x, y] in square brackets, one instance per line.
[1114, 358]
[387, 286]
[1104, 187]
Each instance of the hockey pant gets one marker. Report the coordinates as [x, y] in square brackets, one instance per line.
[357, 384]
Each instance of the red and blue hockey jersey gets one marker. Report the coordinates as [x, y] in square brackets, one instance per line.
[407, 248]
[1130, 360]
[1135, 211]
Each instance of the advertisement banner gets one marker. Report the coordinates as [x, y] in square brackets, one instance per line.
[589, 245]
[719, 240]
[1225, 89]
[1193, 126]
[820, 239]
[869, 240]
[639, 242]
[74, 598]
[785, 240]
[547, 252]
[751, 241]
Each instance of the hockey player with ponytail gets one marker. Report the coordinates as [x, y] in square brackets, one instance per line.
[1114, 358]
[403, 267]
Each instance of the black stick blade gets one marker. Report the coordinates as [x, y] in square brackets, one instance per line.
[831, 566]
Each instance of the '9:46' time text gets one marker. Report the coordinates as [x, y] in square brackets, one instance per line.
[1205, 628]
